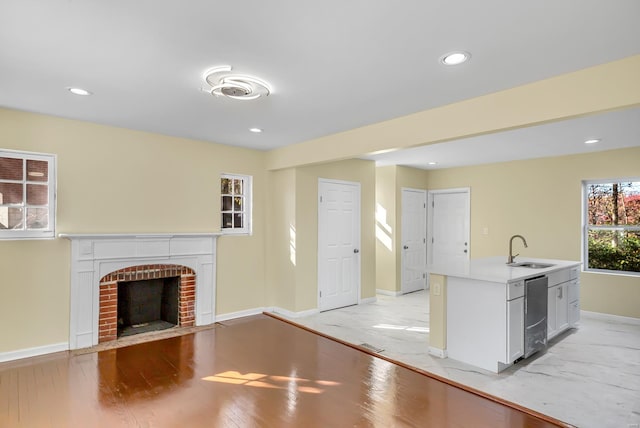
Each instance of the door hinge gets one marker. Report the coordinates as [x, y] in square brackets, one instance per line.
[320, 199]
[433, 204]
[424, 275]
[321, 294]
[432, 240]
[424, 240]
[424, 205]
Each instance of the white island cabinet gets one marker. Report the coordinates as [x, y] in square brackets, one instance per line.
[563, 304]
[485, 308]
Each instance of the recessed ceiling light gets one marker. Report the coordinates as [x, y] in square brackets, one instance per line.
[592, 141]
[432, 163]
[455, 58]
[255, 130]
[79, 91]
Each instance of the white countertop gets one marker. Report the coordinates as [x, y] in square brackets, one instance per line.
[495, 269]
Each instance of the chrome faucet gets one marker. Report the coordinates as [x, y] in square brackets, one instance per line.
[511, 256]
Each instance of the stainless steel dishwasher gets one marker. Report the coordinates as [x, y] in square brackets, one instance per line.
[535, 314]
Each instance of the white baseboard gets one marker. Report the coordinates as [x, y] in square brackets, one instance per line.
[388, 292]
[290, 314]
[437, 352]
[368, 300]
[609, 317]
[240, 314]
[33, 352]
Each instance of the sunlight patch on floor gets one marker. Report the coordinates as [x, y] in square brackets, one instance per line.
[259, 380]
[402, 327]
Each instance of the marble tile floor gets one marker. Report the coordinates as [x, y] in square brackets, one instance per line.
[588, 377]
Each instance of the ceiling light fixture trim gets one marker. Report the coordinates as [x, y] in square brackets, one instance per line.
[79, 91]
[235, 86]
[455, 58]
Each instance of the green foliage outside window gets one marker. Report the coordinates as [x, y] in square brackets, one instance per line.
[625, 256]
[613, 226]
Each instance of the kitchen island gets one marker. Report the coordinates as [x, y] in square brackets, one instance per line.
[478, 307]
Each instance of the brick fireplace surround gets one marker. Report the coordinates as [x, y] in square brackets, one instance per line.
[99, 261]
[108, 315]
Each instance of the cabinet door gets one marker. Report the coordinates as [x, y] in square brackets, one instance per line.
[574, 313]
[515, 329]
[551, 311]
[562, 308]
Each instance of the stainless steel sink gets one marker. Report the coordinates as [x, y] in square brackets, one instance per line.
[531, 265]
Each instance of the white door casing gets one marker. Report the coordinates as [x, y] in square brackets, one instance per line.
[413, 240]
[338, 244]
[448, 230]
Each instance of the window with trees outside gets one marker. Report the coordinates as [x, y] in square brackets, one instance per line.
[27, 195]
[235, 194]
[612, 225]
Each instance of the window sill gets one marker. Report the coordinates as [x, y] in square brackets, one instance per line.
[236, 233]
[612, 272]
[27, 237]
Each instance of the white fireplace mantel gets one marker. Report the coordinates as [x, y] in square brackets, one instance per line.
[95, 255]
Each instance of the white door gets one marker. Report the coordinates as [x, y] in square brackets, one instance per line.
[414, 239]
[449, 226]
[338, 244]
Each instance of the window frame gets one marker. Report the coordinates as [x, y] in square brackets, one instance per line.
[52, 160]
[586, 227]
[247, 211]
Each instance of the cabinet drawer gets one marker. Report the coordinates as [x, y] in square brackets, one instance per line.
[573, 290]
[515, 290]
[559, 277]
[564, 275]
[574, 272]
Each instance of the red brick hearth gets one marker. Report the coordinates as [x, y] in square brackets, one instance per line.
[108, 322]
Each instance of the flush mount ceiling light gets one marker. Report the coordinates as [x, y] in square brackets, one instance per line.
[455, 58]
[79, 91]
[223, 83]
[255, 130]
[592, 141]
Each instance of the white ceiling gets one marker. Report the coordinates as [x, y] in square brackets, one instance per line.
[334, 65]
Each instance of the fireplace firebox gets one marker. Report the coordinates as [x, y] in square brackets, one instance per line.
[147, 305]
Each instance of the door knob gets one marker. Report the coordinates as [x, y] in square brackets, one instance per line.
[465, 250]
[356, 251]
[406, 247]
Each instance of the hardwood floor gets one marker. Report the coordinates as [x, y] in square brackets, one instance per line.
[251, 372]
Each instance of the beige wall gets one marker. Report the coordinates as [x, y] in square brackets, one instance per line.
[438, 312]
[386, 228]
[292, 239]
[176, 190]
[281, 240]
[541, 199]
[116, 180]
[307, 225]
